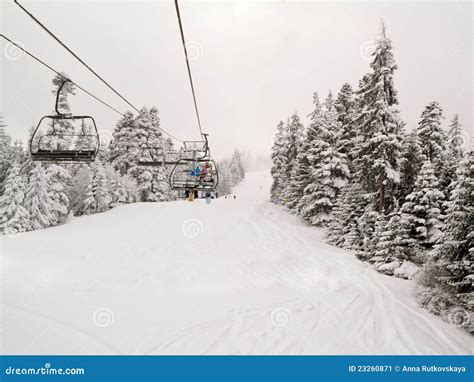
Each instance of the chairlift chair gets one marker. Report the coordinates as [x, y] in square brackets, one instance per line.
[182, 176]
[75, 147]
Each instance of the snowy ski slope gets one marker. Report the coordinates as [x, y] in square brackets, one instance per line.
[233, 277]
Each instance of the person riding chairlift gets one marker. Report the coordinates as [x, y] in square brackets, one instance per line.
[196, 171]
[206, 171]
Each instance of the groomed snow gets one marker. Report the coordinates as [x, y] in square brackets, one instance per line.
[231, 277]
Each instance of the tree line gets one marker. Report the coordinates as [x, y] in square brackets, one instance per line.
[401, 200]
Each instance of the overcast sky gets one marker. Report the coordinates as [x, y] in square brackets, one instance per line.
[254, 63]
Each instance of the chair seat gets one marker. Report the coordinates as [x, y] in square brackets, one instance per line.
[64, 155]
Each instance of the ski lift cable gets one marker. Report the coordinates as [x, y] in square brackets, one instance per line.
[87, 66]
[183, 40]
[60, 74]
[75, 55]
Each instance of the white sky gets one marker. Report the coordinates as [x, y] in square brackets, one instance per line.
[257, 62]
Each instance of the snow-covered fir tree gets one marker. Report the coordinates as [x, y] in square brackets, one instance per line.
[76, 189]
[121, 148]
[279, 161]
[57, 179]
[371, 224]
[146, 143]
[345, 107]
[329, 171]
[452, 155]
[13, 216]
[378, 153]
[118, 193]
[456, 142]
[421, 213]
[225, 179]
[299, 177]
[455, 253]
[294, 137]
[393, 245]
[5, 150]
[412, 159]
[237, 168]
[310, 154]
[343, 229]
[38, 200]
[431, 134]
[97, 196]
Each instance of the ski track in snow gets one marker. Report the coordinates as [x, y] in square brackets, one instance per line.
[234, 277]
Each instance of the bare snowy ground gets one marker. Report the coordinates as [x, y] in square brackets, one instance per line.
[232, 277]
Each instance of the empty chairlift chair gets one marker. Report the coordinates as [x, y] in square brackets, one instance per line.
[65, 137]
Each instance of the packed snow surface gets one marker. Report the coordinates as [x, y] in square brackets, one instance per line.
[236, 276]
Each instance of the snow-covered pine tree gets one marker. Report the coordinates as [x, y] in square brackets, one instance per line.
[225, 179]
[5, 150]
[455, 254]
[310, 153]
[375, 250]
[299, 177]
[161, 187]
[380, 135]
[455, 140]
[329, 171]
[145, 142]
[118, 193]
[13, 216]
[278, 165]
[17, 153]
[89, 205]
[237, 167]
[38, 200]
[343, 229]
[57, 179]
[452, 156]
[293, 144]
[410, 165]
[122, 154]
[360, 118]
[345, 107]
[421, 213]
[394, 246]
[431, 134]
[370, 225]
[77, 189]
[97, 195]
